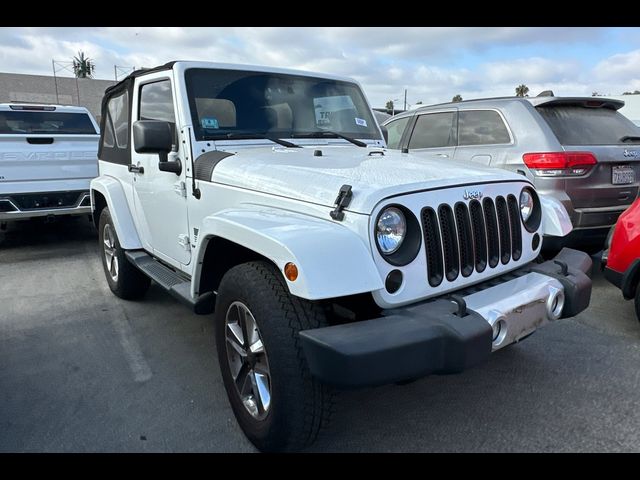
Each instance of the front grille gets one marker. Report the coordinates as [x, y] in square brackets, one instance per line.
[465, 238]
[47, 200]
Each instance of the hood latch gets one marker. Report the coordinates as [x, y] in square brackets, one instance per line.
[342, 202]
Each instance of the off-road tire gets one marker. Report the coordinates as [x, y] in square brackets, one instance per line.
[300, 405]
[131, 283]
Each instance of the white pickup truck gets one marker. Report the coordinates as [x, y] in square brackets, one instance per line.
[48, 156]
[267, 197]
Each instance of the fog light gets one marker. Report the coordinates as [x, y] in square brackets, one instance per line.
[498, 326]
[393, 281]
[555, 303]
[535, 242]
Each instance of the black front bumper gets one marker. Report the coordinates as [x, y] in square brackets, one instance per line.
[426, 338]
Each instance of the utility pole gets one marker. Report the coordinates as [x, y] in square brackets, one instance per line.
[405, 99]
[78, 90]
[55, 79]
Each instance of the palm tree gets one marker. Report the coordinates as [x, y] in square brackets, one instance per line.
[457, 98]
[83, 66]
[522, 90]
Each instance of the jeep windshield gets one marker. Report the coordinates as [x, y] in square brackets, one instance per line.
[228, 104]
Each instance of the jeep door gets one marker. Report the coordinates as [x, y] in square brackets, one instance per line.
[160, 199]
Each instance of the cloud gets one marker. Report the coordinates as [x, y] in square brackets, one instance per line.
[622, 68]
[433, 64]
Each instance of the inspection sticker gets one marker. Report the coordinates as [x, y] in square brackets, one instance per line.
[209, 122]
[361, 121]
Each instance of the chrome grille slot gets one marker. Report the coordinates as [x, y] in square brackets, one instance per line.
[449, 242]
[479, 235]
[433, 246]
[465, 238]
[492, 232]
[516, 228]
[504, 230]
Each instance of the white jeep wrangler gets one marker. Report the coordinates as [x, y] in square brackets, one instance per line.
[267, 197]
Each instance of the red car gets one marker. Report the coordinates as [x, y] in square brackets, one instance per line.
[621, 259]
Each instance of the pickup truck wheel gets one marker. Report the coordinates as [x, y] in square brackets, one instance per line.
[125, 280]
[278, 404]
[637, 301]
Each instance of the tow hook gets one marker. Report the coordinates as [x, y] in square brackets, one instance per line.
[564, 268]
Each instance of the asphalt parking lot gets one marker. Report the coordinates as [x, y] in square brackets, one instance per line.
[81, 370]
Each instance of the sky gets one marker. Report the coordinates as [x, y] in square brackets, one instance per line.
[432, 64]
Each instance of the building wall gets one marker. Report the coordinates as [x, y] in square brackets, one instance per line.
[86, 92]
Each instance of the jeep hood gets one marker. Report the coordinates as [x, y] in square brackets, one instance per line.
[299, 174]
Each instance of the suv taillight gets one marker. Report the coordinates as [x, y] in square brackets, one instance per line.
[560, 164]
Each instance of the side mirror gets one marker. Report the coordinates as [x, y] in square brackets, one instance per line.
[385, 133]
[155, 136]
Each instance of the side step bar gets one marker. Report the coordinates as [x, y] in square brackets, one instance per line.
[178, 285]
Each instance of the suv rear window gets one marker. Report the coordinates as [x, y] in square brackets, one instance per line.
[50, 123]
[575, 125]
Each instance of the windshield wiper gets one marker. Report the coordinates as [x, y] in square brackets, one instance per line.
[626, 138]
[250, 136]
[329, 133]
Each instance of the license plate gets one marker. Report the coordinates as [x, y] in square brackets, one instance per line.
[623, 175]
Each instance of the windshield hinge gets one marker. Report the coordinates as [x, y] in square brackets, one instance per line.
[180, 188]
[342, 202]
[183, 241]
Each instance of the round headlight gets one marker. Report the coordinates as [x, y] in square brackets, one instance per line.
[526, 204]
[391, 230]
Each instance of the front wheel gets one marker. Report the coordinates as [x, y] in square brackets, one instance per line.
[637, 301]
[278, 404]
[125, 280]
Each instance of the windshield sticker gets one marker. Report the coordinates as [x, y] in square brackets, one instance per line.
[361, 121]
[329, 108]
[209, 122]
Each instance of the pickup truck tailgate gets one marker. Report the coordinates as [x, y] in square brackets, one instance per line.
[30, 157]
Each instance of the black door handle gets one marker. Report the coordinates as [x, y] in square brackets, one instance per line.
[136, 168]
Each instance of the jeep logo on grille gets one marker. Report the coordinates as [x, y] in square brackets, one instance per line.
[631, 153]
[472, 195]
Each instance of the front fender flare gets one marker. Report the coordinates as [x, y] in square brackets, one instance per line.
[555, 218]
[332, 260]
[113, 192]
